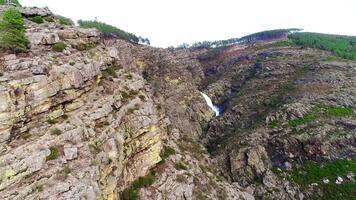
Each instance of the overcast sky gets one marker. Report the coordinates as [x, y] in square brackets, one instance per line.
[172, 22]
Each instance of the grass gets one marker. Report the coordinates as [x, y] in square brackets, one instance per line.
[339, 111]
[305, 119]
[54, 153]
[313, 172]
[180, 166]
[59, 47]
[132, 193]
[56, 131]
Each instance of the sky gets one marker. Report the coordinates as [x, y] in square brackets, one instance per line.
[173, 22]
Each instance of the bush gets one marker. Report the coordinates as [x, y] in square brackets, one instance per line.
[54, 154]
[166, 152]
[132, 192]
[56, 131]
[59, 46]
[37, 19]
[180, 166]
[65, 21]
[84, 46]
[12, 32]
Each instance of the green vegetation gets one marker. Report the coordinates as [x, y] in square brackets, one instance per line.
[49, 18]
[56, 131]
[84, 46]
[282, 43]
[112, 31]
[180, 178]
[166, 152]
[110, 71]
[305, 119]
[66, 171]
[339, 111]
[37, 19]
[132, 193]
[59, 47]
[65, 21]
[54, 153]
[267, 35]
[313, 172]
[51, 121]
[39, 188]
[12, 32]
[2, 2]
[340, 46]
[180, 166]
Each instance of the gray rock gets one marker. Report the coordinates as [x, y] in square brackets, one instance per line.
[70, 153]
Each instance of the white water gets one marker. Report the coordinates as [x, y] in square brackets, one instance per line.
[210, 104]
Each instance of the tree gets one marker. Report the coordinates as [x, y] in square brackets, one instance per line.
[12, 32]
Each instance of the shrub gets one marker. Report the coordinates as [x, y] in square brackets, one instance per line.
[66, 171]
[180, 166]
[84, 46]
[56, 131]
[49, 19]
[109, 71]
[37, 19]
[59, 47]
[54, 154]
[12, 32]
[65, 21]
[132, 192]
[166, 152]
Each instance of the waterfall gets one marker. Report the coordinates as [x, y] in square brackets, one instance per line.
[210, 104]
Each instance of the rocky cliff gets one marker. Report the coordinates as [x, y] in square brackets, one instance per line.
[98, 118]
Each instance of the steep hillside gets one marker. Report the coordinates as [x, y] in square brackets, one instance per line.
[86, 116]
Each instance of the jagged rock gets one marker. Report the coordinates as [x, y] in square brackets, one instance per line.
[339, 180]
[34, 11]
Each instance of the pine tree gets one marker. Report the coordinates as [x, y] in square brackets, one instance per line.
[12, 32]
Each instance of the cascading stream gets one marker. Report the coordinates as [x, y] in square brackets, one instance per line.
[210, 104]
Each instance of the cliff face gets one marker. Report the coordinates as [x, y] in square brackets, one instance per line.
[75, 123]
[88, 121]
